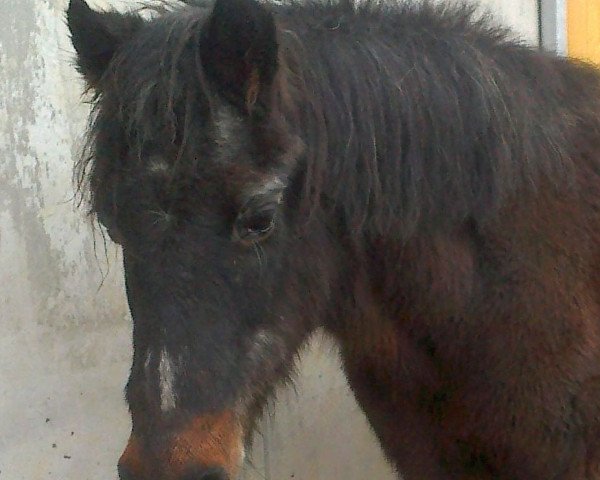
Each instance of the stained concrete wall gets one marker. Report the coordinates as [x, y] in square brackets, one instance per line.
[65, 338]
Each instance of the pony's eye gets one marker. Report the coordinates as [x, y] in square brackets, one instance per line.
[255, 225]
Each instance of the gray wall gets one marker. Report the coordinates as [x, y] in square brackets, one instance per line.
[65, 342]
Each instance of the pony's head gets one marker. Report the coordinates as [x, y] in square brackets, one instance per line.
[193, 171]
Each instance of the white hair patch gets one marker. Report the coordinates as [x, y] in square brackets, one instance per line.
[227, 126]
[261, 343]
[158, 166]
[274, 184]
[166, 381]
[147, 363]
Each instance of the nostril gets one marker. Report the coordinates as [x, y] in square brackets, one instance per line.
[124, 473]
[199, 473]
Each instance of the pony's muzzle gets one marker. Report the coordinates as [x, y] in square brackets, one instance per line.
[207, 447]
[198, 473]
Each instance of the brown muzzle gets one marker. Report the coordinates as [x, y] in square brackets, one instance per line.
[207, 447]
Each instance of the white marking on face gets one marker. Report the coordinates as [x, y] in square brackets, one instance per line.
[166, 381]
[265, 350]
[147, 363]
[261, 343]
[157, 165]
[227, 126]
[274, 184]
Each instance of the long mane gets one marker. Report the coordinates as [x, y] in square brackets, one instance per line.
[421, 115]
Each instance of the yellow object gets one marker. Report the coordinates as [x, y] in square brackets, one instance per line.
[583, 29]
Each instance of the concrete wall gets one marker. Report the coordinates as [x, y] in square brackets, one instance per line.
[65, 342]
[521, 15]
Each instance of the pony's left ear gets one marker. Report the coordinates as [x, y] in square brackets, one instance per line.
[97, 36]
[239, 51]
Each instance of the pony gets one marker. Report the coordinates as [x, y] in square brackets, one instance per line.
[410, 178]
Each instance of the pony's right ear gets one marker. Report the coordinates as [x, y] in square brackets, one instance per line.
[97, 36]
[239, 50]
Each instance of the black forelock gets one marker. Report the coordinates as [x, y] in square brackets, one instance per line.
[149, 98]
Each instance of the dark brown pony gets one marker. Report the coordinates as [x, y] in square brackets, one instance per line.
[407, 177]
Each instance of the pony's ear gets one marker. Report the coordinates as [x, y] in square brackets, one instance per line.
[96, 37]
[239, 51]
